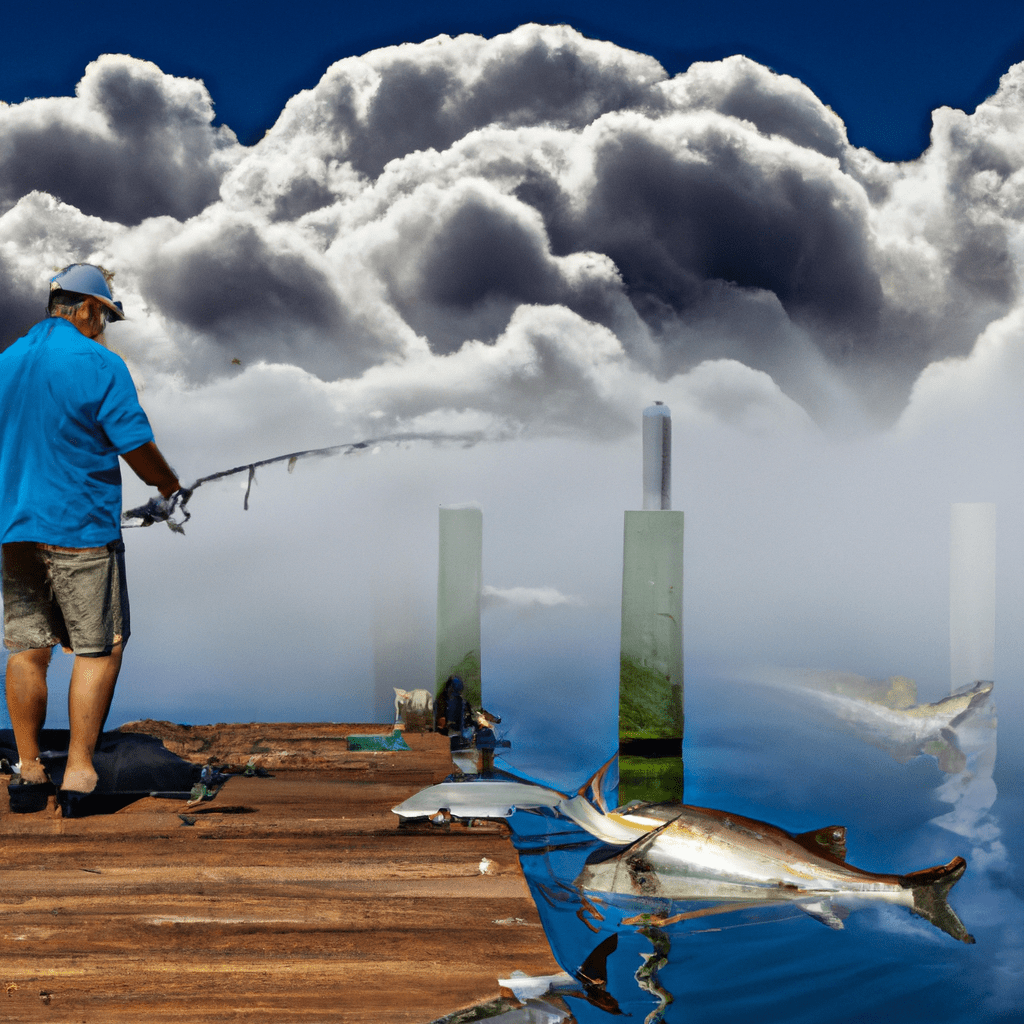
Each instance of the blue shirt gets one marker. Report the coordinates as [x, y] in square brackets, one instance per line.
[68, 409]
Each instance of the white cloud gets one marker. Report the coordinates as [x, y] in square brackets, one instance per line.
[526, 599]
[983, 385]
[421, 200]
[131, 144]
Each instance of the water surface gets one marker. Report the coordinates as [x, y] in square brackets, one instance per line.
[781, 756]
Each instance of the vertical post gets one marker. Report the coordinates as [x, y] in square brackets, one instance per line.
[459, 584]
[651, 653]
[972, 592]
[657, 442]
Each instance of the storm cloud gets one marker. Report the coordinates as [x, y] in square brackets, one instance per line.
[506, 229]
[133, 143]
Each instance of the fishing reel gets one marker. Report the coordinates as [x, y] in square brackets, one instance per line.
[160, 510]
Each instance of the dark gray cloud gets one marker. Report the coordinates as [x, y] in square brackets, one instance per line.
[133, 143]
[406, 113]
[254, 300]
[479, 267]
[484, 251]
[674, 217]
[481, 258]
[19, 308]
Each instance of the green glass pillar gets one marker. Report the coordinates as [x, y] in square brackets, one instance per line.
[459, 585]
[651, 666]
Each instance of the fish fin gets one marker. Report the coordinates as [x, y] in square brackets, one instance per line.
[593, 975]
[644, 843]
[828, 842]
[595, 968]
[826, 912]
[930, 888]
[593, 789]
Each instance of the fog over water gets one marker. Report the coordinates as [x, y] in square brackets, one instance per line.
[530, 238]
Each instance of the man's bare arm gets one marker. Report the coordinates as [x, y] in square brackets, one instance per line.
[151, 467]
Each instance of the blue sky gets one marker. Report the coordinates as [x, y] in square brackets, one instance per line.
[882, 66]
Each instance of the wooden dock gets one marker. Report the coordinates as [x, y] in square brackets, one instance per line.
[285, 899]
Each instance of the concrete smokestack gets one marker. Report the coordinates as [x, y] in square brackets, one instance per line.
[972, 593]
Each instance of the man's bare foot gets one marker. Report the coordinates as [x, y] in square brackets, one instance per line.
[79, 780]
[33, 772]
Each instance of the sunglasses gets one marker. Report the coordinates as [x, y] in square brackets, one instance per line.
[108, 313]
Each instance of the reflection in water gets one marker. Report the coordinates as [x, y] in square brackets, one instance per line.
[886, 713]
[647, 974]
[615, 888]
[671, 913]
[959, 731]
[972, 790]
[590, 938]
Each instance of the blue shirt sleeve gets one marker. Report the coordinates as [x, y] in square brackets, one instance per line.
[119, 413]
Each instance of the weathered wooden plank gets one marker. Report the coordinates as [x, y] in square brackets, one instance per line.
[307, 904]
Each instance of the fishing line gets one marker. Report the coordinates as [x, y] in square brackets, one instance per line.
[161, 510]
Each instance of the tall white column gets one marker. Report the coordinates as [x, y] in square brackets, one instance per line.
[972, 592]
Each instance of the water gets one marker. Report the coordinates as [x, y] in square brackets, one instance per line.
[795, 761]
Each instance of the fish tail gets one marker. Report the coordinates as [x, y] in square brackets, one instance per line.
[930, 889]
[593, 790]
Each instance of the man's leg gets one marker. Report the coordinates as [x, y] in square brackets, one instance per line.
[26, 704]
[89, 696]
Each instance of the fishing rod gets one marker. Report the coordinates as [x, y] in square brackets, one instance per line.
[161, 510]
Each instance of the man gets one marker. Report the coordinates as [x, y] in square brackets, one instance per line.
[68, 409]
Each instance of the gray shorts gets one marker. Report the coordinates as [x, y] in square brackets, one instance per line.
[75, 597]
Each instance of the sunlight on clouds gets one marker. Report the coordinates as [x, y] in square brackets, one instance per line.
[417, 201]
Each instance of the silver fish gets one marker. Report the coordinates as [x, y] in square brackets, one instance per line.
[682, 853]
[502, 797]
[685, 853]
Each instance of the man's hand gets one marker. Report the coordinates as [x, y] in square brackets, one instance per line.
[160, 510]
[147, 463]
